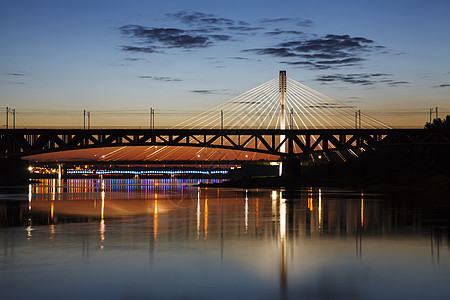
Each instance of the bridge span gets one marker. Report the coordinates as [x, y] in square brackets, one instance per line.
[285, 143]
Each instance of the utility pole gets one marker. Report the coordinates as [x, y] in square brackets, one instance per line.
[89, 119]
[436, 112]
[431, 112]
[153, 118]
[7, 112]
[359, 113]
[84, 119]
[356, 120]
[14, 118]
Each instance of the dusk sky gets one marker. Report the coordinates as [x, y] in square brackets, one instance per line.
[388, 58]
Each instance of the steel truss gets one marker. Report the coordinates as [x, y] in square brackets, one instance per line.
[298, 142]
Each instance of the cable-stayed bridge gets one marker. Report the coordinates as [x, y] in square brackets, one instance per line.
[278, 119]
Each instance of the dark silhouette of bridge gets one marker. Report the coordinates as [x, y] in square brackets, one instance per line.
[298, 142]
[269, 119]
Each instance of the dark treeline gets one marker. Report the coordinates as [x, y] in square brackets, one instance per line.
[421, 166]
[439, 123]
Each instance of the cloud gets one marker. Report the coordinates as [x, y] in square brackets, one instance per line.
[165, 38]
[329, 51]
[199, 18]
[326, 105]
[396, 83]
[160, 78]
[197, 30]
[208, 92]
[133, 59]
[278, 31]
[203, 91]
[16, 74]
[442, 85]
[360, 78]
[296, 21]
[243, 28]
[139, 49]
[279, 52]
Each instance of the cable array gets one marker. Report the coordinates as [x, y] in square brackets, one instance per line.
[260, 108]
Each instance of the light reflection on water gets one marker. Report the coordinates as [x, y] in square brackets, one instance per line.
[166, 239]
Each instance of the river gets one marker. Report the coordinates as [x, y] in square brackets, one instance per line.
[170, 239]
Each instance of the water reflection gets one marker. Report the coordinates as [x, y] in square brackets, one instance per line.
[221, 243]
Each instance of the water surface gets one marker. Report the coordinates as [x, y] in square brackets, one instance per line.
[169, 239]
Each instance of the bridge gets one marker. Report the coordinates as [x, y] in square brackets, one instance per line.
[297, 142]
[281, 118]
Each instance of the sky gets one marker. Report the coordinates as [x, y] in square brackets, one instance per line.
[118, 59]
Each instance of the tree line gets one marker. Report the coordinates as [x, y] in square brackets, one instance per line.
[439, 123]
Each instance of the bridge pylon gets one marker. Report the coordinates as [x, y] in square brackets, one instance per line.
[282, 81]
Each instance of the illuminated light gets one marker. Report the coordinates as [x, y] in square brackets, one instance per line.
[102, 213]
[320, 209]
[30, 194]
[274, 163]
[155, 218]
[198, 155]
[274, 195]
[362, 209]
[206, 219]
[52, 210]
[310, 199]
[257, 212]
[52, 232]
[283, 216]
[319, 157]
[102, 232]
[198, 214]
[282, 219]
[246, 211]
[30, 168]
[246, 155]
[29, 229]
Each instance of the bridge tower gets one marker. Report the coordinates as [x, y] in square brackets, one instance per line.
[282, 80]
[282, 84]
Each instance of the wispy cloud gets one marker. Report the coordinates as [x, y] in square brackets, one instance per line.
[16, 74]
[296, 21]
[442, 85]
[208, 92]
[139, 49]
[160, 78]
[361, 79]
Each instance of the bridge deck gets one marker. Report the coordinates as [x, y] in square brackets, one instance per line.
[298, 142]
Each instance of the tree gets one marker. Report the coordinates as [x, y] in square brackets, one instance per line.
[439, 123]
